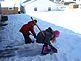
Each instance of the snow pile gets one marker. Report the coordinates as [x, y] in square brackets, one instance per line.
[10, 35]
[68, 44]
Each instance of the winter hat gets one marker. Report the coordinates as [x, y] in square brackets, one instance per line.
[56, 33]
[49, 29]
[35, 21]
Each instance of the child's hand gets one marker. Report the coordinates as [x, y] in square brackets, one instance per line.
[53, 40]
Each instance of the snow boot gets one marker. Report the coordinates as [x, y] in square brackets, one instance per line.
[45, 50]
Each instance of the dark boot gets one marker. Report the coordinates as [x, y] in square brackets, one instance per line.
[27, 39]
[45, 50]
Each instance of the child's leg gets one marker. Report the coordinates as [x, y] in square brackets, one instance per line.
[45, 49]
[27, 39]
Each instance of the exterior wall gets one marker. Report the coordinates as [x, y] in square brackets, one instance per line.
[73, 6]
[68, 0]
[32, 9]
[78, 1]
[7, 10]
[41, 6]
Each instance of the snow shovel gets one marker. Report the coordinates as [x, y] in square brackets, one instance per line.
[39, 28]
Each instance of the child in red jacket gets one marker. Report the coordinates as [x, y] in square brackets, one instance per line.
[25, 29]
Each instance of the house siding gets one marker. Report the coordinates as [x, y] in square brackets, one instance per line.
[6, 10]
[40, 5]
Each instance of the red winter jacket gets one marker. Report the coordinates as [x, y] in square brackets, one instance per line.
[28, 27]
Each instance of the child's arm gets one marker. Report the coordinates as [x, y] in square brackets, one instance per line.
[53, 39]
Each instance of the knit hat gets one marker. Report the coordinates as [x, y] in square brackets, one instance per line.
[49, 29]
[56, 33]
[35, 21]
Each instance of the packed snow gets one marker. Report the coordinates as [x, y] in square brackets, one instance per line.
[68, 43]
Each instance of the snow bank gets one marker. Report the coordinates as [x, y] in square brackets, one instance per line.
[68, 44]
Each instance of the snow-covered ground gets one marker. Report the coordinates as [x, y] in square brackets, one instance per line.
[69, 18]
[68, 44]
